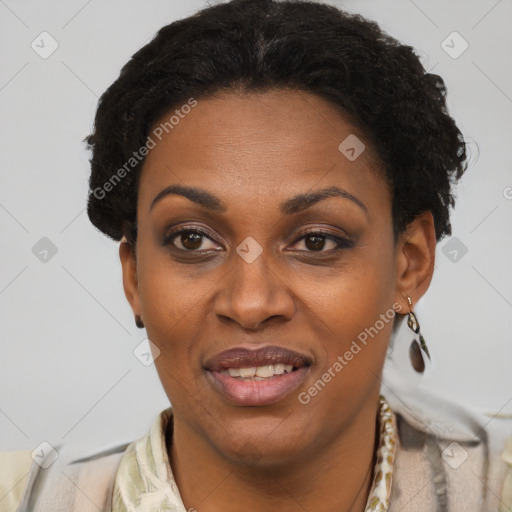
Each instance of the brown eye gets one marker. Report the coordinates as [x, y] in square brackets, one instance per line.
[318, 241]
[315, 242]
[190, 240]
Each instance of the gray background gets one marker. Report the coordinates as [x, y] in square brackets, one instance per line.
[67, 368]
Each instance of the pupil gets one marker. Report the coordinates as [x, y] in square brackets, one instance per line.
[318, 242]
[196, 243]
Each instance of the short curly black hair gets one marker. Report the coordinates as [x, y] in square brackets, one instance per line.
[260, 45]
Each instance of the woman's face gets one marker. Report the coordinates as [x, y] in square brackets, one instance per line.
[270, 268]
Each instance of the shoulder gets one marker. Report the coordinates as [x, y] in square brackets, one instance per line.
[62, 478]
[50, 482]
[14, 470]
[448, 457]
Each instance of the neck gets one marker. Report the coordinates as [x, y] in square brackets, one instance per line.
[335, 478]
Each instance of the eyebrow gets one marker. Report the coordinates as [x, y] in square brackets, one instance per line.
[291, 206]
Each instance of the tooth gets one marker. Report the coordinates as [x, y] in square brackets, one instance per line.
[265, 371]
[259, 373]
[278, 369]
[248, 372]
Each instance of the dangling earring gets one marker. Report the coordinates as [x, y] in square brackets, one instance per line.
[418, 346]
[138, 322]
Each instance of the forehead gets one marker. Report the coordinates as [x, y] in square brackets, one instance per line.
[258, 144]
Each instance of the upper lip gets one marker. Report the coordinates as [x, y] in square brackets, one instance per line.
[242, 357]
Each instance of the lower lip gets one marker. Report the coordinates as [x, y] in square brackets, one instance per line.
[259, 392]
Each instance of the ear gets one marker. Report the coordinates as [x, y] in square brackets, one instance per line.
[415, 258]
[129, 269]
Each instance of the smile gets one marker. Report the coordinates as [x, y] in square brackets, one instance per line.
[257, 377]
[267, 371]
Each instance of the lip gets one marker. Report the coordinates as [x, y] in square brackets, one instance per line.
[243, 357]
[256, 393]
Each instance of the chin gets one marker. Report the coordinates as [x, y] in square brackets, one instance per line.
[260, 442]
[263, 456]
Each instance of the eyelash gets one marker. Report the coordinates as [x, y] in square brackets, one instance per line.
[341, 243]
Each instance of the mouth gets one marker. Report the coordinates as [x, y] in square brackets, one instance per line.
[250, 377]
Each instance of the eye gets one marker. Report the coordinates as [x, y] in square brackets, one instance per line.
[191, 240]
[196, 240]
[316, 241]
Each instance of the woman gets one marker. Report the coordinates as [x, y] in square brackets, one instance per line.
[278, 175]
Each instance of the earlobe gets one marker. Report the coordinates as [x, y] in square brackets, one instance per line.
[415, 259]
[130, 280]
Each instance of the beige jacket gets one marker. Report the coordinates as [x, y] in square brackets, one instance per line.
[433, 473]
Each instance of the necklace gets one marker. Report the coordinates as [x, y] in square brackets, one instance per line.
[379, 497]
[144, 479]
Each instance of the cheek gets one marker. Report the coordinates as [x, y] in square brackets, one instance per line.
[172, 306]
[353, 299]
[355, 312]
[357, 318]
[173, 313]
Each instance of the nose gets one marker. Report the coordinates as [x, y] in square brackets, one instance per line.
[253, 294]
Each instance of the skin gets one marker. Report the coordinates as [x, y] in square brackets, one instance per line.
[253, 152]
